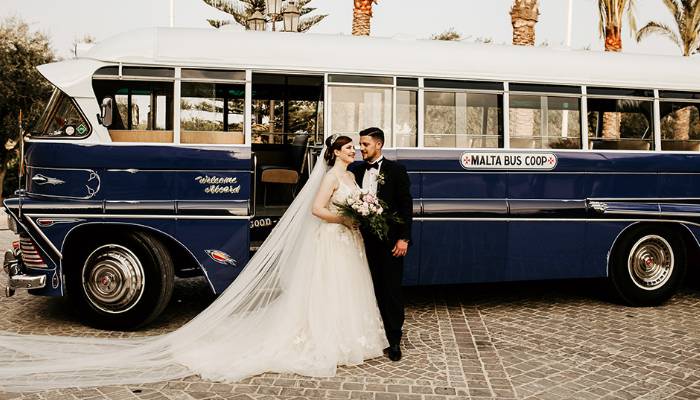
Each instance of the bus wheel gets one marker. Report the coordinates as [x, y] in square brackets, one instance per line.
[124, 282]
[647, 266]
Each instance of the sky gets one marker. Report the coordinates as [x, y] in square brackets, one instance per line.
[66, 20]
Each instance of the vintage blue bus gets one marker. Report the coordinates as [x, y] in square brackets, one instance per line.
[172, 152]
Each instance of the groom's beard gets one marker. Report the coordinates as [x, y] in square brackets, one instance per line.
[369, 159]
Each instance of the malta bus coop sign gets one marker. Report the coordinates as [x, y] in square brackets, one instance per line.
[530, 161]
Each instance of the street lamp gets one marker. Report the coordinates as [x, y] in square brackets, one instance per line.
[256, 22]
[273, 8]
[291, 15]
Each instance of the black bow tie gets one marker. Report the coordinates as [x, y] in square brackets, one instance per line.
[369, 166]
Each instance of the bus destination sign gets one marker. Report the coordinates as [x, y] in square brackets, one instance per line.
[531, 161]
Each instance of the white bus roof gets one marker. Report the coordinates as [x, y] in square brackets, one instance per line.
[370, 55]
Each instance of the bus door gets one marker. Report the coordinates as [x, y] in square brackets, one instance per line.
[287, 123]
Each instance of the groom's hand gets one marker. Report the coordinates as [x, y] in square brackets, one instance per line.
[400, 249]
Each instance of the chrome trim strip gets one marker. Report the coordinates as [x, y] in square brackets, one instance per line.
[437, 219]
[582, 173]
[132, 216]
[135, 170]
[656, 213]
[645, 199]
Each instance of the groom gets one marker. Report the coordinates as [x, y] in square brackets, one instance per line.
[389, 181]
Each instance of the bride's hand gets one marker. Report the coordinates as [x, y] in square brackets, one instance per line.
[349, 222]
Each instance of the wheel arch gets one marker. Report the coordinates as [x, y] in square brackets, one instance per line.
[178, 251]
[690, 241]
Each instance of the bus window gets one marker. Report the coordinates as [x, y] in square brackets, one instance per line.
[406, 118]
[544, 122]
[620, 123]
[285, 106]
[212, 113]
[61, 119]
[357, 108]
[463, 119]
[680, 126]
[143, 112]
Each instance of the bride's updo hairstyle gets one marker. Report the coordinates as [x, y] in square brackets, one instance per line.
[334, 143]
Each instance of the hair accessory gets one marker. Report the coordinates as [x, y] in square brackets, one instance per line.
[333, 138]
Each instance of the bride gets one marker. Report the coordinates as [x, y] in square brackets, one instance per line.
[304, 304]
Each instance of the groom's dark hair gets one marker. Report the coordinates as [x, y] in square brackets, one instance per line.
[373, 132]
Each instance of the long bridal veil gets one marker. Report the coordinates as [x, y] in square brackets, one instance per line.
[262, 316]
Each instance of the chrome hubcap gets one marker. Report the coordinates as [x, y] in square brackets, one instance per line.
[113, 279]
[650, 263]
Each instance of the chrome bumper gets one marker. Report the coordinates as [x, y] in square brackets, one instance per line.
[16, 278]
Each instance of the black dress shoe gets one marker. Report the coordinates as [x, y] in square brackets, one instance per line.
[394, 352]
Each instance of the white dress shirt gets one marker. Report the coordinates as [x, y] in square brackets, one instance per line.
[369, 181]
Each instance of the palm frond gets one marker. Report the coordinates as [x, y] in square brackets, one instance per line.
[673, 6]
[307, 10]
[660, 29]
[306, 23]
[222, 5]
[218, 23]
[631, 16]
[242, 18]
[603, 17]
[686, 15]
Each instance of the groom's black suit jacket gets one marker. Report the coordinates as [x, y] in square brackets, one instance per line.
[396, 193]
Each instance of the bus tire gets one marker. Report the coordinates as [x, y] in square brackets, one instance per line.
[123, 282]
[647, 266]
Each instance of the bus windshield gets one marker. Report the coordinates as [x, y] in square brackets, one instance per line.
[61, 119]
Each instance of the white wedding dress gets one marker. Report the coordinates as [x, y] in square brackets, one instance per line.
[304, 304]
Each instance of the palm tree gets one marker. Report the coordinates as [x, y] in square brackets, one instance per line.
[362, 17]
[523, 16]
[610, 24]
[611, 15]
[686, 35]
[241, 10]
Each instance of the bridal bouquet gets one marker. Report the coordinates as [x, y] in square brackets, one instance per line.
[369, 212]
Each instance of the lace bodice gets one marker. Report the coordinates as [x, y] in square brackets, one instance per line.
[346, 235]
[340, 195]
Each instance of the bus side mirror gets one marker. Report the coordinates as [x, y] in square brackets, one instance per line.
[105, 116]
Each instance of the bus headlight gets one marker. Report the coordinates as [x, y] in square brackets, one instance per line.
[12, 224]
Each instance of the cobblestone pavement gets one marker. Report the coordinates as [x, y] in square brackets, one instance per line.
[552, 340]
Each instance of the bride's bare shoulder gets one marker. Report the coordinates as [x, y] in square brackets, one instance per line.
[330, 178]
